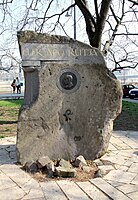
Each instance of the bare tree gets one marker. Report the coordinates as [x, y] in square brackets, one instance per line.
[108, 23]
[135, 2]
[13, 61]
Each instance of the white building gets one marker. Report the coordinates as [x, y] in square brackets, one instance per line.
[127, 76]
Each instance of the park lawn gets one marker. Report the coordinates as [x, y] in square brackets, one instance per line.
[11, 103]
[9, 110]
[128, 119]
[131, 108]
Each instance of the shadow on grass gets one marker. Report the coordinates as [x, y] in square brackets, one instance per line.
[8, 122]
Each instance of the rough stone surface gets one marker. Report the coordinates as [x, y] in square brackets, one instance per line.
[87, 169]
[65, 172]
[43, 161]
[105, 169]
[50, 169]
[98, 162]
[80, 161]
[65, 122]
[98, 174]
[31, 167]
[65, 163]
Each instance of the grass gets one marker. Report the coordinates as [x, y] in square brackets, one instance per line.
[11, 103]
[128, 119]
[131, 108]
[9, 110]
[2, 136]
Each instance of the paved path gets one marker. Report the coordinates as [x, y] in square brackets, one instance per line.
[120, 183]
[11, 96]
[131, 100]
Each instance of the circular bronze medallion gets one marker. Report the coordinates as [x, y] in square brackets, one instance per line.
[68, 80]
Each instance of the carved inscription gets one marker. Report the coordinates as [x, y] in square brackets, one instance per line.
[55, 51]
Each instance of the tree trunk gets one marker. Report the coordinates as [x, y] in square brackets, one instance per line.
[94, 28]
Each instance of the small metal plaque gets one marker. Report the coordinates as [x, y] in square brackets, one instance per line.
[68, 80]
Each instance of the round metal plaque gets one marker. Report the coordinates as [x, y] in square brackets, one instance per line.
[68, 80]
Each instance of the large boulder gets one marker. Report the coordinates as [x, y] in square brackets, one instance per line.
[71, 99]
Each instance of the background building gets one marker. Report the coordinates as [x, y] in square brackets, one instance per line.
[127, 76]
[16, 71]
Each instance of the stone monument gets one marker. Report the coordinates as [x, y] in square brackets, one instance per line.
[71, 99]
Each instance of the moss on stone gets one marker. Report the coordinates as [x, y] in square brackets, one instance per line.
[34, 37]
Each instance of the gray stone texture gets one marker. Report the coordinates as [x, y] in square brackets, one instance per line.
[44, 127]
[80, 161]
[43, 161]
[31, 167]
[65, 163]
[50, 169]
[65, 172]
[87, 169]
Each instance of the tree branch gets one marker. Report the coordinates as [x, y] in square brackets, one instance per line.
[89, 20]
[6, 2]
[54, 15]
[101, 21]
[45, 15]
[135, 2]
[96, 9]
[124, 67]
[83, 7]
[118, 20]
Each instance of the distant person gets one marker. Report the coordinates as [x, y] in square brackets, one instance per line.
[18, 85]
[14, 85]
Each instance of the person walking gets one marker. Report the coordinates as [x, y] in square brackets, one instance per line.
[18, 85]
[13, 85]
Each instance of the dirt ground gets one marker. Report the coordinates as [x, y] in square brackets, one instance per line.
[8, 121]
[80, 174]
